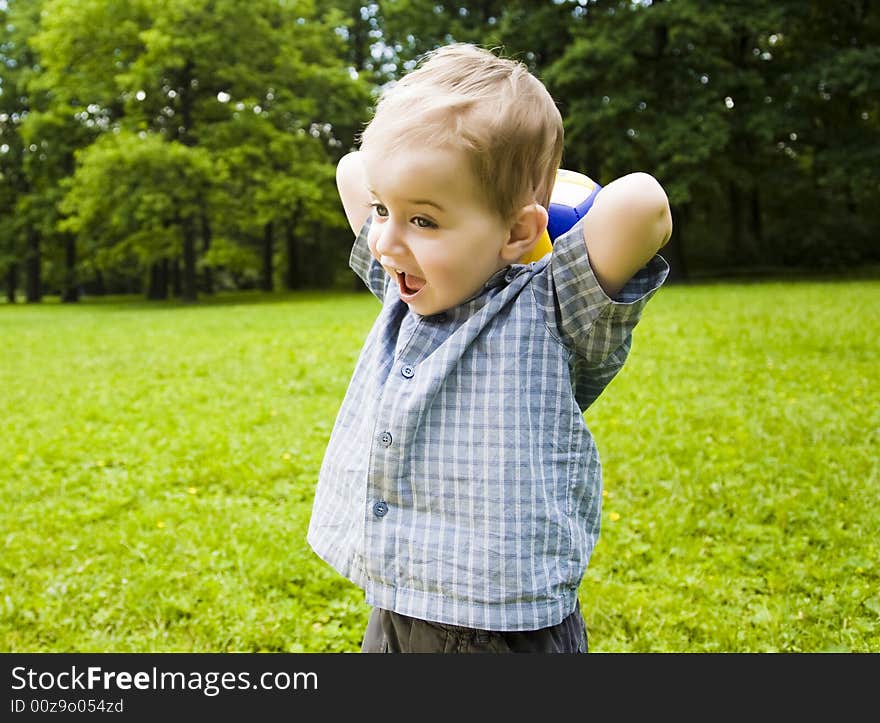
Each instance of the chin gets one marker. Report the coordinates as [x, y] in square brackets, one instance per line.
[425, 309]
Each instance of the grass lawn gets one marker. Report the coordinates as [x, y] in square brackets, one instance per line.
[159, 462]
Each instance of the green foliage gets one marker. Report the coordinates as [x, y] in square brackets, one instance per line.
[236, 259]
[135, 190]
[85, 45]
[759, 119]
[257, 88]
[15, 68]
[732, 106]
[161, 462]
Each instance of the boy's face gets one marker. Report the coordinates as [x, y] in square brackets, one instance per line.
[432, 230]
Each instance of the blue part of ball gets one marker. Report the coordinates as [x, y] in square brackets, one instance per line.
[562, 217]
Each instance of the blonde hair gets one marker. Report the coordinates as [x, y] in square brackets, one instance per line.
[464, 97]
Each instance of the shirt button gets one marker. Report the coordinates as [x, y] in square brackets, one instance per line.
[510, 276]
[407, 371]
[380, 508]
[385, 439]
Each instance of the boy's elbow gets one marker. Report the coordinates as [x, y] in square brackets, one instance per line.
[653, 204]
[352, 185]
[664, 223]
[347, 166]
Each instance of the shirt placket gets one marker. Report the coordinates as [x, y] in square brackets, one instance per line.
[395, 423]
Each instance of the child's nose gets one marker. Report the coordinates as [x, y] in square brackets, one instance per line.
[390, 241]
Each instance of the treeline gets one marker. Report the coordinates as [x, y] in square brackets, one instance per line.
[179, 147]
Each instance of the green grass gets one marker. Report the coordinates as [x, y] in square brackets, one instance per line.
[159, 462]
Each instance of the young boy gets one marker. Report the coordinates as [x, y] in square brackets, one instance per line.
[461, 488]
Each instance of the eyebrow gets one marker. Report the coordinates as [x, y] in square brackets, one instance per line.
[425, 202]
[415, 201]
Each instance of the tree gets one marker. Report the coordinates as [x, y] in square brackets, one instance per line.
[133, 194]
[829, 87]
[20, 239]
[744, 111]
[196, 74]
[533, 31]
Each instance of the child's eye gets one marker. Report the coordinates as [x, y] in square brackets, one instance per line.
[379, 209]
[423, 222]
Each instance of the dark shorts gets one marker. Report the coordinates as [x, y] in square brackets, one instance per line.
[390, 632]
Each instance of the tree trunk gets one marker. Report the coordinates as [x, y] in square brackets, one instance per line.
[70, 292]
[174, 276]
[188, 282]
[100, 288]
[673, 251]
[153, 281]
[292, 276]
[266, 283]
[11, 282]
[207, 272]
[158, 288]
[33, 275]
[757, 223]
[735, 239]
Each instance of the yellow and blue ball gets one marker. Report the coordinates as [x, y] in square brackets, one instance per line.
[572, 196]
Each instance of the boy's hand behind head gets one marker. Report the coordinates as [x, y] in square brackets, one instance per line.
[351, 181]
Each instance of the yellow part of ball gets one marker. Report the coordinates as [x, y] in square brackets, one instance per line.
[571, 188]
[539, 250]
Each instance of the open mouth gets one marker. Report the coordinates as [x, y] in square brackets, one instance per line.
[409, 285]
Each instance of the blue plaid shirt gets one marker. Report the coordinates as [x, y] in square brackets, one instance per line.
[461, 484]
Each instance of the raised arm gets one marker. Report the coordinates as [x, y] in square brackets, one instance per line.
[627, 224]
[351, 180]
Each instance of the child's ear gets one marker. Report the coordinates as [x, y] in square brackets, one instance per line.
[528, 225]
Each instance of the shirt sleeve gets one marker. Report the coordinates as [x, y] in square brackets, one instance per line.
[594, 327]
[365, 265]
